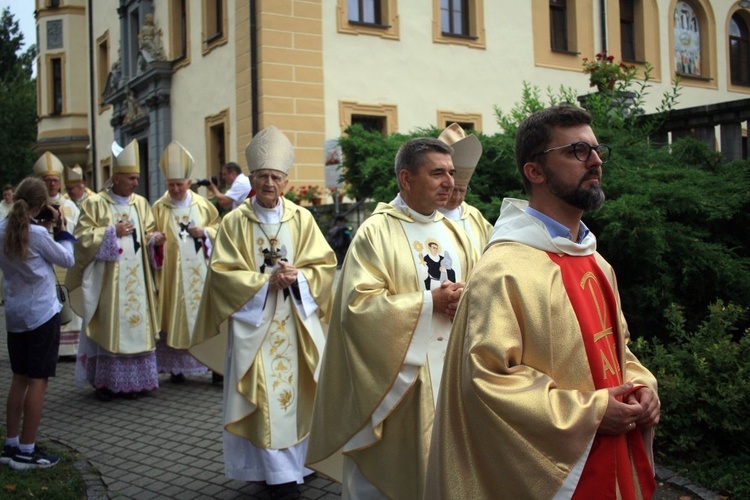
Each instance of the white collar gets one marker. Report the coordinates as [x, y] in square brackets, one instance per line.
[119, 200]
[269, 215]
[185, 202]
[401, 205]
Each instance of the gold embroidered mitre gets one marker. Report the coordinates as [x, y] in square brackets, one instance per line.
[176, 162]
[270, 149]
[466, 152]
[74, 176]
[48, 164]
[128, 160]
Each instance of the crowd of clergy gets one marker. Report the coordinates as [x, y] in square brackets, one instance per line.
[345, 379]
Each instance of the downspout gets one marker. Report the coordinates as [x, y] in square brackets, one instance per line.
[92, 97]
[603, 8]
[253, 68]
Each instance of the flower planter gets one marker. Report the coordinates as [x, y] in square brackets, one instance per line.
[622, 102]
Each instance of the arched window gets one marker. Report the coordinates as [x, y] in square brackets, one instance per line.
[687, 40]
[739, 50]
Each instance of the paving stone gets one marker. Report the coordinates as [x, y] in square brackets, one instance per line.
[318, 482]
[312, 493]
[195, 485]
[190, 495]
[128, 491]
[147, 495]
[170, 491]
[211, 490]
[334, 488]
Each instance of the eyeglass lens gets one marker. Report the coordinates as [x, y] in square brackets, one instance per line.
[582, 151]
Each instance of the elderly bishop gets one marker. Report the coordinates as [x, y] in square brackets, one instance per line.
[189, 222]
[270, 280]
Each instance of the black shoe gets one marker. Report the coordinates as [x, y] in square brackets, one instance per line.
[177, 378]
[34, 460]
[8, 453]
[217, 378]
[129, 395]
[284, 491]
[103, 394]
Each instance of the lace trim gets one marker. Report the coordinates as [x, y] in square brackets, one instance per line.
[109, 250]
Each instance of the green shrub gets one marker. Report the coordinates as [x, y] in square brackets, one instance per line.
[704, 387]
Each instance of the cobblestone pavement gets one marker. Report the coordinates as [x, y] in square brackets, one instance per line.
[166, 444]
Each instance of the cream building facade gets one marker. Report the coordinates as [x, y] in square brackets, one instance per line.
[211, 73]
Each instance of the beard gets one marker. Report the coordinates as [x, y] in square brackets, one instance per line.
[578, 196]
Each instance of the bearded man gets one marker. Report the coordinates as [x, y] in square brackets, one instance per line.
[541, 396]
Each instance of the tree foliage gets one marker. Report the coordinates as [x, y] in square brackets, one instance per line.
[17, 101]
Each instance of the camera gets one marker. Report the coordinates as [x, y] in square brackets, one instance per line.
[47, 214]
[206, 182]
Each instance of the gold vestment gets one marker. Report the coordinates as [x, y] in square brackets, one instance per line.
[518, 407]
[169, 279]
[234, 278]
[480, 227]
[103, 325]
[377, 305]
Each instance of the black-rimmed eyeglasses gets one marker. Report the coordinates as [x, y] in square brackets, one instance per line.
[582, 151]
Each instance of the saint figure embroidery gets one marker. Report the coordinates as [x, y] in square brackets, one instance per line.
[435, 267]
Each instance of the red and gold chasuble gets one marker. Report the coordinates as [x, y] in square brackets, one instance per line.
[619, 463]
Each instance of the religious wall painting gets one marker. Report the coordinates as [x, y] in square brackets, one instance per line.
[687, 43]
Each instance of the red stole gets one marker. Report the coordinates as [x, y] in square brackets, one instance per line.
[615, 462]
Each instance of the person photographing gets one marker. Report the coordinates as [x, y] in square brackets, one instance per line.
[239, 187]
[33, 240]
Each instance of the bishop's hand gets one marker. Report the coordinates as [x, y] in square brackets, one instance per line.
[283, 276]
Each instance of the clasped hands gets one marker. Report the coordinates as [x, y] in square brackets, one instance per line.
[283, 276]
[628, 409]
[195, 231]
[445, 298]
[124, 228]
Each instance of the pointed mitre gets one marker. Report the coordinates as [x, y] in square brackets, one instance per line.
[74, 176]
[466, 152]
[127, 161]
[48, 164]
[176, 162]
[271, 149]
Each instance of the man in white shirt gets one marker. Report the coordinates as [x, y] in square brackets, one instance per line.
[239, 187]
